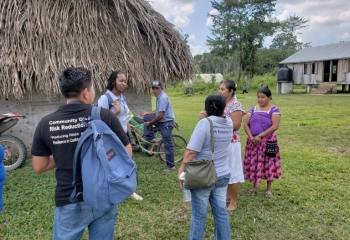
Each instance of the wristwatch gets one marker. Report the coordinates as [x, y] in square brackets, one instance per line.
[260, 136]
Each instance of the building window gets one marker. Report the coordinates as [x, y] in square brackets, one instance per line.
[305, 68]
[314, 68]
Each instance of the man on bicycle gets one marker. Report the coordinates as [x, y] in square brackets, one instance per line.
[163, 117]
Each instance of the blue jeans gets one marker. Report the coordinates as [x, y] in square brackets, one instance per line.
[166, 129]
[70, 222]
[216, 195]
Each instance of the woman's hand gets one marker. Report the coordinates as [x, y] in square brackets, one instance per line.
[181, 182]
[116, 106]
[203, 114]
[188, 157]
[256, 140]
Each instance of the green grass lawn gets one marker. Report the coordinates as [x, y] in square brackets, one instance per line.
[311, 201]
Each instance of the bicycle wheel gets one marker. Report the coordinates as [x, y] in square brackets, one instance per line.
[179, 143]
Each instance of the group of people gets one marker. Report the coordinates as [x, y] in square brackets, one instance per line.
[260, 124]
[51, 149]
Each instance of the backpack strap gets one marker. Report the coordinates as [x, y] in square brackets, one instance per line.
[110, 100]
[96, 113]
[74, 196]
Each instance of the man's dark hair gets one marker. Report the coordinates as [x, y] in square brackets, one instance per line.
[73, 81]
[265, 91]
[230, 85]
[215, 105]
[111, 80]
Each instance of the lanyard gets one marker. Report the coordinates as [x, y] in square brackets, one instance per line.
[123, 104]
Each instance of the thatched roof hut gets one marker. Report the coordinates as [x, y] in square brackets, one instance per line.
[40, 38]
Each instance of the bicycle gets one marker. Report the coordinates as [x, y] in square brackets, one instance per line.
[156, 148]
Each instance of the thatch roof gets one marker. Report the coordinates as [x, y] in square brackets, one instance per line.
[40, 38]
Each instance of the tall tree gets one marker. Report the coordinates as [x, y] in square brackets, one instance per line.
[240, 28]
[212, 63]
[287, 39]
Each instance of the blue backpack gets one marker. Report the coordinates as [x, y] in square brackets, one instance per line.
[108, 173]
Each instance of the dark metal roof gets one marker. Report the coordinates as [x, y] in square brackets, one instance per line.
[320, 53]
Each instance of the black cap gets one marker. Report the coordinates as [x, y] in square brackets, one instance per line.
[157, 84]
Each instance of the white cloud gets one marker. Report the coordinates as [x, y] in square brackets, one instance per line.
[210, 19]
[181, 21]
[328, 20]
[197, 49]
[178, 13]
[346, 36]
[191, 38]
[175, 11]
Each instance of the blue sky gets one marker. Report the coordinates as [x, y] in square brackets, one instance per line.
[329, 20]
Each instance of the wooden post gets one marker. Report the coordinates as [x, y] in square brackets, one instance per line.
[308, 88]
[330, 70]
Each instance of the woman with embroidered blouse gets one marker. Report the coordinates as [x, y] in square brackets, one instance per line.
[235, 111]
[260, 125]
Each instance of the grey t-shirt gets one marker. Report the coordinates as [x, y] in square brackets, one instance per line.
[201, 143]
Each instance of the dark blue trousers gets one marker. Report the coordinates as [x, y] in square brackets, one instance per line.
[166, 129]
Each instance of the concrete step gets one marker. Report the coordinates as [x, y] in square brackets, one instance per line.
[325, 88]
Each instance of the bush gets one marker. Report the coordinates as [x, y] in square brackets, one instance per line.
[199, 88]
[268, 79]
[205, 88]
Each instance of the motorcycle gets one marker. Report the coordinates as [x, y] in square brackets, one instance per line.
[15, 149]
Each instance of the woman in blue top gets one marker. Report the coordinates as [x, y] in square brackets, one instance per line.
[199, 148]
[2, 174]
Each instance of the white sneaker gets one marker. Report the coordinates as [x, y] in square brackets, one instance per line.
[136, 196]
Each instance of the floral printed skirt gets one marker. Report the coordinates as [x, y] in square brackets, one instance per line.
[257, 165]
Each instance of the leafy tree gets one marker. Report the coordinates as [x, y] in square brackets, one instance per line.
[213, 63]
[287, 39]
[284, 44]
[268, 60]
[239, 30]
